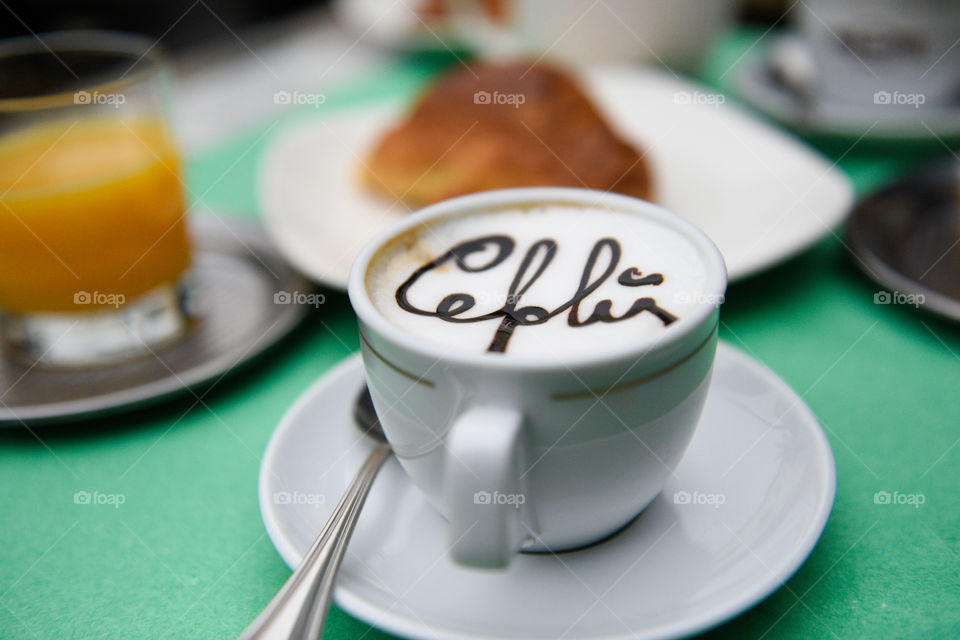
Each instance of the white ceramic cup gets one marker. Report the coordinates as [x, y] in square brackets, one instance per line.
[673, 32]
[546, 453]
[884, 53]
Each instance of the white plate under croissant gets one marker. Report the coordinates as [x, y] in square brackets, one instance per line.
[759, 193]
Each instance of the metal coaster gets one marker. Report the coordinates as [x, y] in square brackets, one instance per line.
[247, 300]
[907, 236]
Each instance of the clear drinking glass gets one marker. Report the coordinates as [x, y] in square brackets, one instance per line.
[94, 247]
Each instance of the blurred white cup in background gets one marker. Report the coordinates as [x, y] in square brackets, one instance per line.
[677, 33]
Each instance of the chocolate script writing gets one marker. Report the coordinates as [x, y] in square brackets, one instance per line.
[605, 253]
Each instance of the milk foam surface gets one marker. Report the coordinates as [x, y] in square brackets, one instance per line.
[646, 244]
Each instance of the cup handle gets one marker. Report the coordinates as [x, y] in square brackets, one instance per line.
[484, 489]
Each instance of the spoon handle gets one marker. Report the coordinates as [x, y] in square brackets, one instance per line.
[298, 611]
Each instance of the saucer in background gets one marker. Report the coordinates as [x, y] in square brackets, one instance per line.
[245, 293]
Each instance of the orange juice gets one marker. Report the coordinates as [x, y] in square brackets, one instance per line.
[91, 205]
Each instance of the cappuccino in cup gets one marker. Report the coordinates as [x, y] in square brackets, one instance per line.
[539, 279]
[538, 359]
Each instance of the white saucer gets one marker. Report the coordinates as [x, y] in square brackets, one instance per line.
[676, 570]
[760, 85]
[760, 194]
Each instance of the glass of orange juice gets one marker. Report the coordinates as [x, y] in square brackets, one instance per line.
[94, 250]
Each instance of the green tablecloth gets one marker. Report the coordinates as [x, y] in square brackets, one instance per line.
[186, 554]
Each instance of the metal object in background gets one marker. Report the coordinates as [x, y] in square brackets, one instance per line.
[907, 239]
[248, 300]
